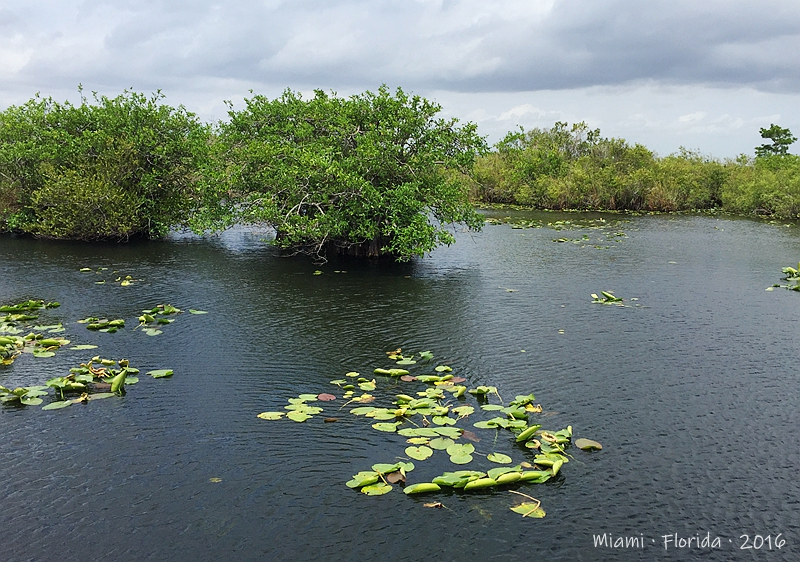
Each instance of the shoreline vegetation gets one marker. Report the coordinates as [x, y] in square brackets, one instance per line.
[372, 174]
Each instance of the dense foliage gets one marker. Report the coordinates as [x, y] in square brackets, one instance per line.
[576, 168]
[371, 174]
[115, 168]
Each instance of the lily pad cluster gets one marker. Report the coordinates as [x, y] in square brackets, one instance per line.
[609, 229]
[98, 378]
[19, 319]
[125, 281]
[433, 419]
[606, 298]
[153, 318]
[792, 276]
[97, 324]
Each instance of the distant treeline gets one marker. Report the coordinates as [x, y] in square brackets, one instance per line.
[115, 168]
[575, 168]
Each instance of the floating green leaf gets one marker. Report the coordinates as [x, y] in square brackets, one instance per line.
[587, 444]
[297, 416]
[83, 346]
[421, 488]
[377, 489]
[499, 458]
[270, 415]
[529, 509]
[57, 405]
[363, 478]
[441, 443]
[160, 373]
[387, 427]
[419, 453]
[193, 311]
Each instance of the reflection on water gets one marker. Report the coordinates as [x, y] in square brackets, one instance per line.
[693, 394]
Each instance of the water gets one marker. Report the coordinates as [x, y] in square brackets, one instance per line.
[693, 394]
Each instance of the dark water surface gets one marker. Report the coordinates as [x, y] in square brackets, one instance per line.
[694, 395]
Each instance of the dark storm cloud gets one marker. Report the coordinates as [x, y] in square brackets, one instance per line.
[465, 45]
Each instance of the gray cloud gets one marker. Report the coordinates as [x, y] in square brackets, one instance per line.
[201, 52]
[464, 45]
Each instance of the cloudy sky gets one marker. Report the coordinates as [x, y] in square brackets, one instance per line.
[704, 74]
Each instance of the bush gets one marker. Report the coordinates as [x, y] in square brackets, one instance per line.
[371, 174]
[120, 167]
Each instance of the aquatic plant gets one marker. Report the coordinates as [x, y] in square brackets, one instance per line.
[607, 298]
[429, 419]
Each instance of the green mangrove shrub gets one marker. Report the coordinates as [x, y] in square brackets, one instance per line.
[372, 174]
[108, 168]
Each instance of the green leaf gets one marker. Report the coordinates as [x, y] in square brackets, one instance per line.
[308, 397]
[421, 488]
[387, 427]
[419, 453]
[419, 441]
[443, 420]
[443, 369]
[297, 416]
[499, 458]
[441, 443]
[83, 346]
[152, 332]
[57, 405]
[159, 373]
[363, 478]
[461, 459]
[98, 396]
[451, 432]
[270, 415]
[193, 311]
[533, 510]
[377, 489]
[362, 410]
[587, 444]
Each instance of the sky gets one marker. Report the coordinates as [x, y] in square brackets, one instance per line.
[699, 74]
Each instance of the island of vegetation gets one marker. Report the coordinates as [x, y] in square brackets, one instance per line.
[367, 175]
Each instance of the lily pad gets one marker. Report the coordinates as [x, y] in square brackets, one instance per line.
[152, 332]
[297, 416]
[387, 427]
[57, 405]
[363, 478]
[443, 420]
[499, 458]
[270, 415]
[377, 489]
[193, 311]
[83, 346]
[529, 509]
[362, 410]
[587, 444]
[326, 397]
[441, 443]
[419, 453]
[160, 373]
